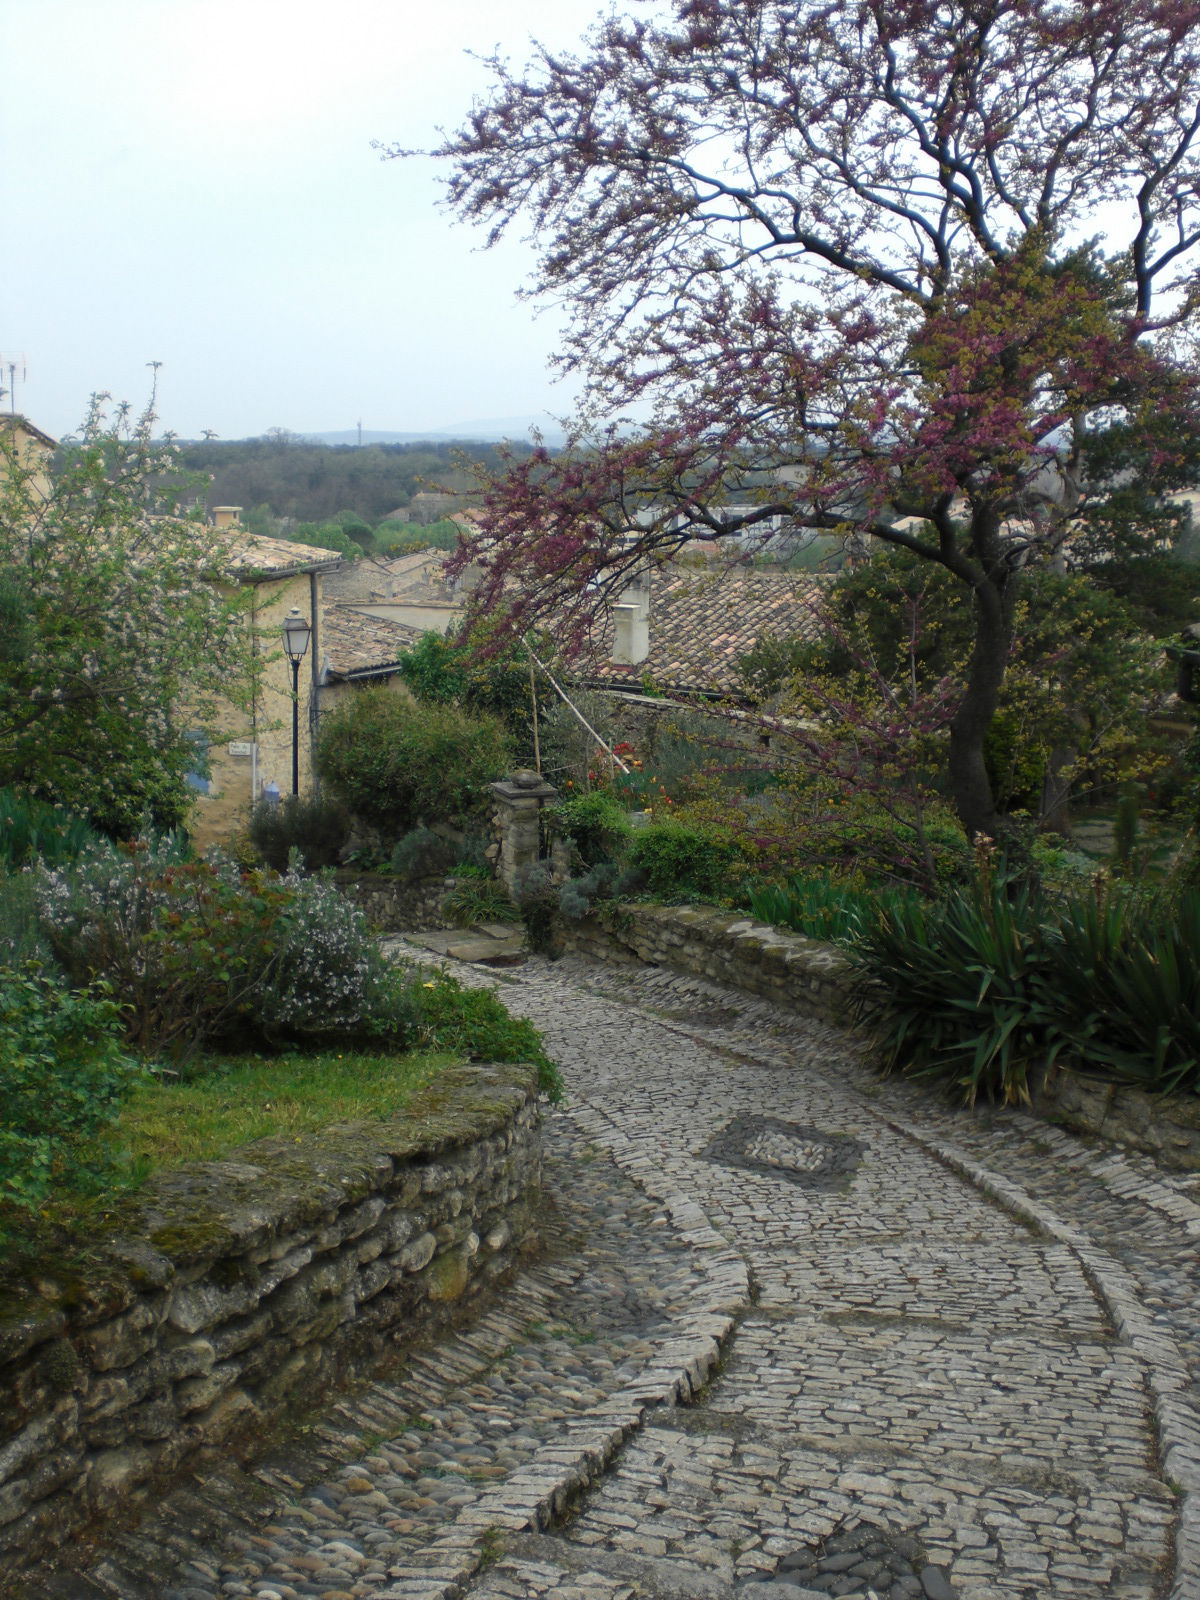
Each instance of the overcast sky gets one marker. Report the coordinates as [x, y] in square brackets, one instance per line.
[192, 182]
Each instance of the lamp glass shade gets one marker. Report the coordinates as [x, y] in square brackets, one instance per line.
[295, 635]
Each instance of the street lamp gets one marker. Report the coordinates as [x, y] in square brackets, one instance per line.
[295, 641]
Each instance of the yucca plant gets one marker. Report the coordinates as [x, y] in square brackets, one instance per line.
[1123, 974]
[954, 995]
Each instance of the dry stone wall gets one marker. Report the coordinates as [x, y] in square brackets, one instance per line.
[230, 1290]
[390, 902]
[786, 968]
[1167, 1127]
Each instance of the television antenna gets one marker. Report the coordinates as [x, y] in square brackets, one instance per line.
[13, 364]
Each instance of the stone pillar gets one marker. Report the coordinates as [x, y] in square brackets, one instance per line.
[518, 821]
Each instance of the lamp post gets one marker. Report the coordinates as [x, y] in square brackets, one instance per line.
[295, 642]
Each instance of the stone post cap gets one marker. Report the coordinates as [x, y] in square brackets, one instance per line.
[524, 785]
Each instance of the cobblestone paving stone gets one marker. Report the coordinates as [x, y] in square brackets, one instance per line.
[939, 1388]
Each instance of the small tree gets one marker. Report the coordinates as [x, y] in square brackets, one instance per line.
[1080, 677]
[448, 670]
[126, 641]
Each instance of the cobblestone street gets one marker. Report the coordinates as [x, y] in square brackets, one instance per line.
[796, 1332]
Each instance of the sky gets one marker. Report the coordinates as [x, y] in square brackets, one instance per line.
[192, 182]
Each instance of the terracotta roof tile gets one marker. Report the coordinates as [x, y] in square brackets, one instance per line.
[702, 622]
[414, 579]
[354, 642]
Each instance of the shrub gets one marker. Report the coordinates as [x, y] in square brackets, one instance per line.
[537, 900]
[198, 952]
[63, 1077]
[328, 978]
[422, 853]
[579, 896]
[317, 828]
[596, 824]
[473, 1022]
[680, 858]
[398, 764]
[956, 994]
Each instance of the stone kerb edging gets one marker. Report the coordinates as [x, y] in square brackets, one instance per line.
[539, 1494]
[1175, 1415]
[223, 1291]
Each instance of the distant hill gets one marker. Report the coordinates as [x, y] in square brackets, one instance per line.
[488, 430]
[308, 480]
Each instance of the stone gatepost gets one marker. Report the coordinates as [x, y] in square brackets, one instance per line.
[520, 800]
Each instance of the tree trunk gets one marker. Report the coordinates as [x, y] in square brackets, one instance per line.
[970, 785]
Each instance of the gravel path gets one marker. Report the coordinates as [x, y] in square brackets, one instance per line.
[796, 1333]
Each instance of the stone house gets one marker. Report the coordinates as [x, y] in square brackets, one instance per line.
[254, 752]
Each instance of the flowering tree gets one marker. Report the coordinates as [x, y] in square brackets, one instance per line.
[836, 250]
[118, 640]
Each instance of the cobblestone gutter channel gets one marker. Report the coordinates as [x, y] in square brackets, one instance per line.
[926, 1355]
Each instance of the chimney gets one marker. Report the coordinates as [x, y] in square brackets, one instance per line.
[226, 516]
[631, 613]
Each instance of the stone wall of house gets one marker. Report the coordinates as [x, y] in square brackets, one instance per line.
[727, 948]
[230, 1290]
[816, 979]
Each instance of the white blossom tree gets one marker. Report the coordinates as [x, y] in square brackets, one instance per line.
[118, 639]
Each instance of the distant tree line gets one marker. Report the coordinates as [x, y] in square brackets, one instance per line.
[308, 482]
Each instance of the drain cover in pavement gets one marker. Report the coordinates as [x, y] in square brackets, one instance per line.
[786, 1150]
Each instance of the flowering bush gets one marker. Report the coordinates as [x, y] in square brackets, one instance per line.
[201, 951]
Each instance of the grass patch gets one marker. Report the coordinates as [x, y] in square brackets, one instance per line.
[243, 1098]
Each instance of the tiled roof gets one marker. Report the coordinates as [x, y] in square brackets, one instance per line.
[353, 642]
[251, 556]
[411, 580]
[701, 622]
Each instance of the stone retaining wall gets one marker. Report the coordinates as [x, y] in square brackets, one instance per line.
[816, 979]
[724, 947]
[1167, 1127]
[389, 903]
[228, 1290]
